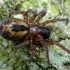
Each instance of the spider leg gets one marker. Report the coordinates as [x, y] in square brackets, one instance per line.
[54, 20]
[41, 15]
[24, 13]
[50, 42]
[43, 42]
[33, 52]
[33, 17]
[22, 44]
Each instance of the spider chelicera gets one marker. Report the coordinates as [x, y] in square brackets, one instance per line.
[29, 31]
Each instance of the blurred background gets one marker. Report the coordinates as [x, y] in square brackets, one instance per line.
[15, 59]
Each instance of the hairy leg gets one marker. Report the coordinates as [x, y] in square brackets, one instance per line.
[50, 42]
[44, 43]
[40, 16]
[54, 20]
[33, 52]
[31, 20]
[22, 44]
[24, 13]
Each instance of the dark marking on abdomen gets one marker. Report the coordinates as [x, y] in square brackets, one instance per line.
[17, 27]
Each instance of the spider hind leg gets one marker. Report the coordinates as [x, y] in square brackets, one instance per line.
[24, 13]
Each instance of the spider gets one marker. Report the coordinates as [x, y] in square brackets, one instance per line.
[29, 31]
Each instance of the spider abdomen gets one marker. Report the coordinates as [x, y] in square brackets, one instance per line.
[13, 30]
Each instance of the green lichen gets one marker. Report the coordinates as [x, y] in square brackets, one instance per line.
[15, 59]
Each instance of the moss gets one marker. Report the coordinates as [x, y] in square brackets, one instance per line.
[15, 59]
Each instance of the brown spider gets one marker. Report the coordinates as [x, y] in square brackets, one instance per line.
[29, 31]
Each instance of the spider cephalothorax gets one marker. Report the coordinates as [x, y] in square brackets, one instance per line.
[29, 31]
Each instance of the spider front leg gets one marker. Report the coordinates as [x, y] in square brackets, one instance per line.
[43, 42]
[50, 42]
[54, 20]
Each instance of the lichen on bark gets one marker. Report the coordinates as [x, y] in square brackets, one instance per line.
[15, 59]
